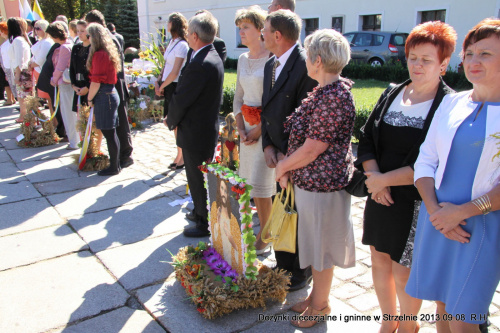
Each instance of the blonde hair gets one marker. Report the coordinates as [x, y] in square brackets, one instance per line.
[101, 40]
[253, 14]
[331, 46]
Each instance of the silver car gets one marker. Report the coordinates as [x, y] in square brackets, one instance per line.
[377, 47]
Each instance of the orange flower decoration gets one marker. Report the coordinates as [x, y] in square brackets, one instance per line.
[251, 114]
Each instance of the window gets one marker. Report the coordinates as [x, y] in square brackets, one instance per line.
[371, 22]
[311, 25]
[349, 37]
[338, 23]
[432, 15]
[398, 39]
[363, 40]
[238, 39]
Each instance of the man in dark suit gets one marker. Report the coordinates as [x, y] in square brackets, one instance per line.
[286, 83]
[123, 129]
[194, 110]
[218, 43]
[119, 38]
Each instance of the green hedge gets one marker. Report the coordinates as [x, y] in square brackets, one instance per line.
[231, 63]
[388, 73]
[131, 56]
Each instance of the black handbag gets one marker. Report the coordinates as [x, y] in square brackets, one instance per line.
[357, 186]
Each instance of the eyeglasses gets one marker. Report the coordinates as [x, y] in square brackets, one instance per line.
[38, 28]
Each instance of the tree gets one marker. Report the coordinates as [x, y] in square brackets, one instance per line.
[128, 23]
[52, 8]
[110, 11]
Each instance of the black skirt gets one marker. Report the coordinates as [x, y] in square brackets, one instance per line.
[168, 92]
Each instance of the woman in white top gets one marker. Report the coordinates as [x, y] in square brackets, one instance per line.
[40, 51]
[5, 63]
[19, 59]
[175, 55]
[247, 109]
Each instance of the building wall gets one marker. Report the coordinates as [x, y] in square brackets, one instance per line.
[400, 15]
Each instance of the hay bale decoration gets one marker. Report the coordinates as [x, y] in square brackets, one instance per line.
[92, 159]
[34, 135]
[225, 275]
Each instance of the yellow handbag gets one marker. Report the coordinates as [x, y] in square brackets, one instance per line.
[281, 228]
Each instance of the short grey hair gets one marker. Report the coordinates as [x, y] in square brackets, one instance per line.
[331, 46]
[204, 25]
[43, 24]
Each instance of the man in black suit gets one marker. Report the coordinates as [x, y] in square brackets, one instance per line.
[286, 83]
[218, 43]
[194, 110]
[119, 38]
[123, 129]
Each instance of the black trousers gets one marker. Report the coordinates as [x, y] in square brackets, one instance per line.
[113, 147]
[193, 159]
[123, 129]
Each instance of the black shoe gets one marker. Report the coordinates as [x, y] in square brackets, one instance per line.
[126, 162]
[296, 284]
[198, 231]
[109, 172]
[191, 216]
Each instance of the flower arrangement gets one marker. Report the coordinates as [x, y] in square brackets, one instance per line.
[33, 135]
[216, 289]
[95, 159]
[137, 112]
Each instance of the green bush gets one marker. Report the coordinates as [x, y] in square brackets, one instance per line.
[397, 73]
[131, 56]
[389, 73]
[362, 114]
[231, 63]
[227, 100]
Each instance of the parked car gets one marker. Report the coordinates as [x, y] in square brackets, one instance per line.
[377, 47]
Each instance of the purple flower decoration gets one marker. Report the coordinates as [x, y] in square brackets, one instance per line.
[232, 274]
[213, 259]
[209, 252]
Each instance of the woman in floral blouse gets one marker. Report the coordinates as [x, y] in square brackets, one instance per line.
[320, 163]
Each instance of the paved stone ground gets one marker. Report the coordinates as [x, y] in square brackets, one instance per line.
[81, 253]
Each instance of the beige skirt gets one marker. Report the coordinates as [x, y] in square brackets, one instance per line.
[325, 233]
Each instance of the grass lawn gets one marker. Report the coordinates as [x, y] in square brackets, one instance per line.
[366, 92]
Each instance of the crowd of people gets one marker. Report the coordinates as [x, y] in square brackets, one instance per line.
[431, 216]
[59, 63]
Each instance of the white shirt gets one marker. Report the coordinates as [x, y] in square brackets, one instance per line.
[195, 53]
[401, 115]
[40, 51]
[177, 48]
[19, 53]
[283, 59]
[452, 111]
[5, 49]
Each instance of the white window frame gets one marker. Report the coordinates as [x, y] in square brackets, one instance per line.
[419, 10]
[360, 19]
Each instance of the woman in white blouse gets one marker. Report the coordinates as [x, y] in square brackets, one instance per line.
[175, 55]
[247, 108]
[5, 63]
[40, 51]
[20, 57]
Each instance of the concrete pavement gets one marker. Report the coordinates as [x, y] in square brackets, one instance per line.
[83, 253]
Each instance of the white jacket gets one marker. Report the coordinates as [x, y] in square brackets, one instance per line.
[454, 109]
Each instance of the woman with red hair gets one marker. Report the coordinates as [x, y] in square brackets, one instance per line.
[456, 259]
[388, 148]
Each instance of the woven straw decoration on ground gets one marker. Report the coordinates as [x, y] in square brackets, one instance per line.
[36, 136]
[96, 160]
